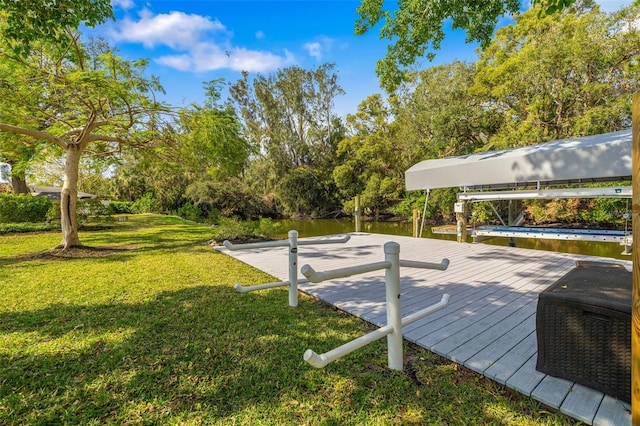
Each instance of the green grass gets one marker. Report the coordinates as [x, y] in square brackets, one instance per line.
[152, 332]
[6, 228]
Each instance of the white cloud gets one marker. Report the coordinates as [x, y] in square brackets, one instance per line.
[179, 62]
[177, 30]
[249, 60]
[123, 4]
[314, 49]
[209, 57]
[260, 35]
[318, 48]
[200, 43]
[290, 58]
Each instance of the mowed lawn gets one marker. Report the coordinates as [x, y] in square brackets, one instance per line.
[145, 328]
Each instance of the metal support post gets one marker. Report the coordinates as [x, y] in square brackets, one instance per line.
[358, 214]
[460, 209]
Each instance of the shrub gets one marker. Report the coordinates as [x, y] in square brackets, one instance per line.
[53, 214]
[145, 204]
[190, 211]
[91, 208]
[120, 207]
[230, 198]
[6, 228]
[23, 208]
[304, 192]
[235, 230]
[268, 228]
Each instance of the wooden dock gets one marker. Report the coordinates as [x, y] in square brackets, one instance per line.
[489, 325]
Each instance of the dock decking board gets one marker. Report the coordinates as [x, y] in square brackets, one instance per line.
[489, 324]
[581, 403]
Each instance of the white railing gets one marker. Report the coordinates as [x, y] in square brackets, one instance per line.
[293, 244]
[395, 322]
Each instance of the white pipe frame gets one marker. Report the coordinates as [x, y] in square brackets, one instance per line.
[293, 244]
[393, 329]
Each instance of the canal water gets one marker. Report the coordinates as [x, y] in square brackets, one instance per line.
[316, 227]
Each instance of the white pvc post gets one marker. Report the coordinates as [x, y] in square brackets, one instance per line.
[395, 322]
[293, 268]
[321, 360]
[394, 315]
[293, 244]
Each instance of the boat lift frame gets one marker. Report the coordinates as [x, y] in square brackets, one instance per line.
[515, 230]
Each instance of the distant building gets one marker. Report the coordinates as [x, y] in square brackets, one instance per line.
[53, 193]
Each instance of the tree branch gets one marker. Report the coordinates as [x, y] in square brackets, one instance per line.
[106, 138]
[83, 137]
[36, 134]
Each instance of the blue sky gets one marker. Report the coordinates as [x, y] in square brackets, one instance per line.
[189, 42]
[192, 41]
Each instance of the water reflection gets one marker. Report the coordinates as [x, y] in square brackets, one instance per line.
[312, 228]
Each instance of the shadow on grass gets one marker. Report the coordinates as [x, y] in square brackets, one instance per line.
[185, 352]
[206, 354]
[119, 245]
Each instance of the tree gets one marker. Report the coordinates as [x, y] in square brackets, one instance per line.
[84, 99]
[202, 152]
[369, 158]
[211, 149]
[209, 140]
[17, 152]
[303, 190]
[28, 21]
[438, 116]
[561, 75]
[420, 25]
[288, 119]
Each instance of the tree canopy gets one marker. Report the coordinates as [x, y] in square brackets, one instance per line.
[420, 26]
[30, 20]
[561, 75]
[288, 118]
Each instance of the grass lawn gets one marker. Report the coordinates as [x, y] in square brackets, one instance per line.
[148, 330]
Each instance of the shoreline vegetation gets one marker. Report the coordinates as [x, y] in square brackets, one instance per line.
[145, 327]
[108, 217]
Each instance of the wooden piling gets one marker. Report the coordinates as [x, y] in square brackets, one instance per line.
[635, 306]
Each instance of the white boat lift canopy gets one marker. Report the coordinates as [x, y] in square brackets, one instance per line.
[598, 158]
[511, 174]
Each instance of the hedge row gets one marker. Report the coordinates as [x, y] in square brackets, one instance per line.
[23, 208]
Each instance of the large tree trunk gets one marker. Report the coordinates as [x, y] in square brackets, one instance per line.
[19, 184]
[69, 199]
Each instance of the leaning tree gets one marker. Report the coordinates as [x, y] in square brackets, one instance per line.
[81, 97]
